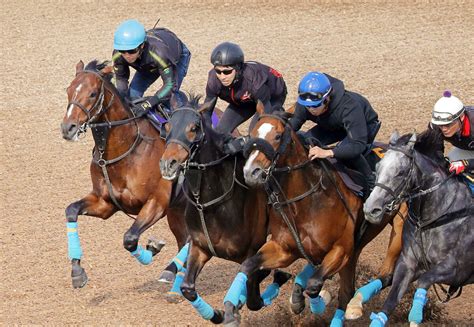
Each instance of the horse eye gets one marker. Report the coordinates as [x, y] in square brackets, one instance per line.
[278, 137]
[93, 94]
[194, 129]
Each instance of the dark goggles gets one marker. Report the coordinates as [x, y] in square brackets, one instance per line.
[313, 96]
[225, 72]
[132, 51]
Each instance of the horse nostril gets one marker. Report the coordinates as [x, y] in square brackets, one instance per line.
[173, 163]
[72, 127]
[376, 212]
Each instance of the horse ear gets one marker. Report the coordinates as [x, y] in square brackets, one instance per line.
[412, 141]
[174, 101]
[291, 109]
[207, 106]
[79, 67]
[260, 107]
[394, 137]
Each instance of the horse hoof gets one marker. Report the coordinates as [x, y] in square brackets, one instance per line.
[218, 317]
[413, 324]
[173, 297]
[327, 298]
[154, 245]
[79, 277]
[232, 323]
[354, 308]
[297, 306]
[167, 277]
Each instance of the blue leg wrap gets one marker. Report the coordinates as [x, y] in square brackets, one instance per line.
[143, 256]
[317, 305]
[369, 290]
[73, 242]
[270, 293]
[243, 296]
[176, 289]
[419, 301]
[181, 257]
[338, 319]
[204, 309]
[305, 274]
[378, 319]
[237, 288]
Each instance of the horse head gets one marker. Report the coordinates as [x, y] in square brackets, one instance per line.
[401, 171]
[268, 141]
[89, 96]
[185, 133]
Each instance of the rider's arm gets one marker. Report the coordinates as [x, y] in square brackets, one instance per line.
[263, 94]
[355, 143]
[166, 70]
[122, 73]
[299, 117]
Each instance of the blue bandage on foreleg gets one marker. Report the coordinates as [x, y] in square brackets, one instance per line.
[378, 319]
[369, 290]
[176, 289]
[338, 319]
[243, 297]
[237, 288]
[73, 242]
[270, 293]
[305, 274]
[204, 309]
[143, 256]
[419, 301]
[181, 257]
[317, 305]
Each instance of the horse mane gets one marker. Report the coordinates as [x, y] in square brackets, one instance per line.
[97, 66]
[430, 143]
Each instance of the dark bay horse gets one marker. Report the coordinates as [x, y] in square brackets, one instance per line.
[224, 218]
[314, 216]
[438, 236]
[124, 170]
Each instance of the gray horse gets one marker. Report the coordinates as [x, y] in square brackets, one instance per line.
[439, 235]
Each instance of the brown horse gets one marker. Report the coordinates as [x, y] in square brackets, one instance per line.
[314, 215]
[124, 169]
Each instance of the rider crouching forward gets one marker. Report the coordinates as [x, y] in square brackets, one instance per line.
[341, 116]
[154, 53]
[456, 122]
[242, 84]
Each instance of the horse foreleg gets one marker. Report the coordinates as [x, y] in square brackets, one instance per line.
[270, 256]
[196, 260]
[297, 300]
[90, 205]
[402, 277]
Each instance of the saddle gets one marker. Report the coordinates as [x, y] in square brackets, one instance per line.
[468, 178]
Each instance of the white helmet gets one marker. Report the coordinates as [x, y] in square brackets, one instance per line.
[447, 109]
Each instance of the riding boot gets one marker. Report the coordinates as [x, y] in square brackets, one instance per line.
[361, 165]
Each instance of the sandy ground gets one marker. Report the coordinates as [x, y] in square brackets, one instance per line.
[400, 55]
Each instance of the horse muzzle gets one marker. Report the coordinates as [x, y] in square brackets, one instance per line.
[70, 131]
[373, 213]
[255, 176]
[170, 169]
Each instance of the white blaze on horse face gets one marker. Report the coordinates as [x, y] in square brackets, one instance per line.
[249, 164]
[76, 92]
[264, 130]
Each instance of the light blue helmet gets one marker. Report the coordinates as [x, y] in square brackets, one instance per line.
[129, 35]
[313, 89]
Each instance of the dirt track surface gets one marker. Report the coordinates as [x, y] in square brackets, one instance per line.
[400, 56]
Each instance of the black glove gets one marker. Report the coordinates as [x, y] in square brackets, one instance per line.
[235, 145]
[144, 106]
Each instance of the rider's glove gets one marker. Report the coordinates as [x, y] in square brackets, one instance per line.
[457, 167]
[144, 106]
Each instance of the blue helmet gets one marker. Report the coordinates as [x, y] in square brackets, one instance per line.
[313, 89]
[129, 35]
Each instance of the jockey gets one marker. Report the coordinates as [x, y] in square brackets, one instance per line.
[456, 122]
[154, 53]
[242, 84]
[341, 116]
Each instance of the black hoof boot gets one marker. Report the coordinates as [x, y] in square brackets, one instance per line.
[154, 245]
[218, 317]
[79, 276]
[281, 277]
[297, 300]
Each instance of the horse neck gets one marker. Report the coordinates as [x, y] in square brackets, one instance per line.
[451, 196]
[122, 137]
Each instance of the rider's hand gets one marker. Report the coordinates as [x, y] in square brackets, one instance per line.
[145, 106]
[457, 167]
[317, 152]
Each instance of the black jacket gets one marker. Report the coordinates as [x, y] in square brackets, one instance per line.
[160, 55]
[349, 112]
[255, 82]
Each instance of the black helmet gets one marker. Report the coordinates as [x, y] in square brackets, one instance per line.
[227, 54]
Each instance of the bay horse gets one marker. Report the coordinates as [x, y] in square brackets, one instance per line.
[438, 236]
[224, 218]
[124, 169]
[314, 216]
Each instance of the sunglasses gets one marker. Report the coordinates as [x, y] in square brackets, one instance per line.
[225, 72]
[132, 51]
[313, 96]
